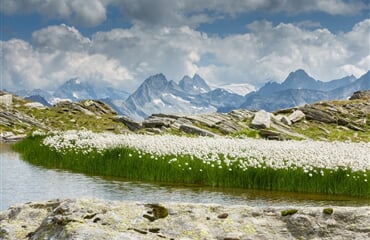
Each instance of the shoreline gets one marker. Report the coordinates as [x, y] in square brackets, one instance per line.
[102, 219]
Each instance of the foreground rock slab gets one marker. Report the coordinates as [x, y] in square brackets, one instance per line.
[99, 219]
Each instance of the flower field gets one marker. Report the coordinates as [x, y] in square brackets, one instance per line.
[299, 166]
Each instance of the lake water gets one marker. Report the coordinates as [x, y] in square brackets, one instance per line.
[22, 182]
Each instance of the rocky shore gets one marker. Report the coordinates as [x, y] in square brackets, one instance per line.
[100, 219]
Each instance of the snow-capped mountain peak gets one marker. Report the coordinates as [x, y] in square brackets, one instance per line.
[195, 85]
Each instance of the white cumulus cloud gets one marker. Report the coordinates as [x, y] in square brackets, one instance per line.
[125, 57]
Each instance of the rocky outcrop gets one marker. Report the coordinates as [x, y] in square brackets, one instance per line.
[361, 95]
[88, 107]
[158, 122]
[262, 119]
[14, 119]
[191, 129]
[98, 219]
[11, 137]
[130, 123]
[319, 115]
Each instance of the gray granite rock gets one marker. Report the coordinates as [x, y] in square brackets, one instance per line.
[196, 130]
[99, 219]
[296, 116]
[262, 119]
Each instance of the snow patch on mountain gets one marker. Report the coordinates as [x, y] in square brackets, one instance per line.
[239, 88]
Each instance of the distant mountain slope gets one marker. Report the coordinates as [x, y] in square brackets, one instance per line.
[344, 92]
[76, 90]
[283, 99]
[39, 99]
[301, 80]
[238, 88]
[24, 93]
[223, 100]
[299, 88]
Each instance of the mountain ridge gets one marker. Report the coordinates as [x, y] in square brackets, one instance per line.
[156, 94]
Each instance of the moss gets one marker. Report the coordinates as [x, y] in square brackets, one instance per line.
[288, 212]
[328, 211]
[247, 132]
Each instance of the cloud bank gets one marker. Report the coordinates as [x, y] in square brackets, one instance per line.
[169, 12]
[125, 57]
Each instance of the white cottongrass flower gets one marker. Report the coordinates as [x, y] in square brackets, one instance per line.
[310, 156]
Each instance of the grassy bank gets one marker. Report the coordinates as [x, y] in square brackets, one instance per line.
[222, 171]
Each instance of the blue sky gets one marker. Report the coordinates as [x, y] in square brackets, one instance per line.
[44, 43]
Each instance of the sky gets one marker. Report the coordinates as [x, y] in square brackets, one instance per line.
[44, 43]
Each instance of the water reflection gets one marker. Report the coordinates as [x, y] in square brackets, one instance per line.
[21, 182]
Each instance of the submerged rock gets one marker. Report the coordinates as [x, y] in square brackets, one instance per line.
[99, 219]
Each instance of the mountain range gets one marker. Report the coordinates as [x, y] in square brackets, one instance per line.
[299, 88]
[192, 95]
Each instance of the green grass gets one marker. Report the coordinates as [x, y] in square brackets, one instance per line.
[133, 165]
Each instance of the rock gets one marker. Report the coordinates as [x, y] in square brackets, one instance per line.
[35, 105]
[223, 215]
[196, 131]
[296, 116]
[101, 219]
[271, 134]
[356, 128]
[301, 226]
[180, 121]
[318, 115]
[157, 122]
[360, 95]
[228, 127]
[88, 107]
[166, 115]
[154, 130]
[232, 236]
[209, 120]
[262, 119]
[285, 110]
[10, 137]
[241, 114]
[6, 100]
[15, 119]
[286, 120]
[130, 123]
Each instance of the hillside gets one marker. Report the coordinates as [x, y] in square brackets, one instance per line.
[326, 120]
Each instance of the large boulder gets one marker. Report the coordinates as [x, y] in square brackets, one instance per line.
[262, 119]
[296, 116]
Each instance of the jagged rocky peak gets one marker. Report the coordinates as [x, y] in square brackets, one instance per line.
[156, 82]
[195, 85]
[299, 79]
